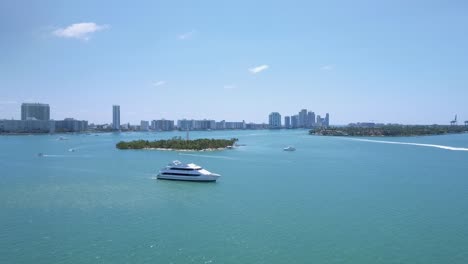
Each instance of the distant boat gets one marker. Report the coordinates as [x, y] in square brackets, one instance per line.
[289, 148]
[177, 170]
[40, 154]
[72, 150]
[62, 138]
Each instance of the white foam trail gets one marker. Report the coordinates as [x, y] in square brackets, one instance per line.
[207, 156]
[412, 144]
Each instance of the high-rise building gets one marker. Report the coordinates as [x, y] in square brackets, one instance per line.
[327, 120]
[319, 121]
[35, 111]
[144, 125]
[162, 125]
[295, 121]
[287, 122]
[274, 120]
[302, 118]
[310, 119]
[116, 117]
[71, 125]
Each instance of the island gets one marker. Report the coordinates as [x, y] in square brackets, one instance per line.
[177, 143]
[389, 130]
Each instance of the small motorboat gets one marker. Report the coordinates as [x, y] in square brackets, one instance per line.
[40, 154]
[289, 148]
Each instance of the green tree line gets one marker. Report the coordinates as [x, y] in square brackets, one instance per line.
[178, 144]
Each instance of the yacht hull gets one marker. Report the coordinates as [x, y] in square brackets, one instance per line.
[201, 178]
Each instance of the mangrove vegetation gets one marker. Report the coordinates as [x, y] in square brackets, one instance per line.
[177, 143]
[389, 130]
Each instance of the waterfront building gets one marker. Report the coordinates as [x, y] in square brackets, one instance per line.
[184, 124]
[319, 122]
[204, 124]
[71, 125]
[235, 125]
[162, 125]
[221, 125]
[327, 120]
[35, 111]
[274, 120]
[256, 126]
[302, 118]
[116, 117]
[295, 121]
[27, 126]
[310, 119]
[144, 125]
[287, 122]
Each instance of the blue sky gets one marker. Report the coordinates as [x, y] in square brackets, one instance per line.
[388, 61]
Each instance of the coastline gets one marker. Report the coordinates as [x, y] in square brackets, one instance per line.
[184, 150]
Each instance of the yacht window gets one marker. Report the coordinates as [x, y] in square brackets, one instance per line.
[185, 169]
[179, 174]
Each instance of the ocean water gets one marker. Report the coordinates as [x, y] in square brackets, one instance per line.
[334, 200]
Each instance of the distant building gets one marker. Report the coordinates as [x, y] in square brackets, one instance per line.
[71, 125]
[35, 111]
[256, 126]
[320, 121]
[310, 120]
[274, 120]
[27, 126]
[295, 121]
[162, 125]
[302, 118]
[144, 125]
[327, 120]
[287, 122]
[235, 125]
[221, 125]
[184, 124]
[116, 117]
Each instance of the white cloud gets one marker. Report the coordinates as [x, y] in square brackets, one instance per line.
[81, 31]
[327, 67]
[159, 83]
[229, 86]
[186, 35]
[258, 69]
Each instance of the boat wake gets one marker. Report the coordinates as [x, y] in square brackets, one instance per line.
[207, 156]
[412, 144]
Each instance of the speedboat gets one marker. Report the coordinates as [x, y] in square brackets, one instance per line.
[177, 170]
[40, 154]
[290, 148]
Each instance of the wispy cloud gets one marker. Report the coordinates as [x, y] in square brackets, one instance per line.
[229, 86]
[80, 31]
[159, 83]
[327, 67]
[258, 69]
[186, 35]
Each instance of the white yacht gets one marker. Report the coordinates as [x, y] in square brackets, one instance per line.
[177, 170]
[290, 148]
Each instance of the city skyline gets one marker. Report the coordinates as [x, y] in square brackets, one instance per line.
[373, 62]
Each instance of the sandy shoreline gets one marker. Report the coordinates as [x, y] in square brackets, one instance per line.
[186, 150]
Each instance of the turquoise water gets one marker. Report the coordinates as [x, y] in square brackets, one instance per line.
[333, 200]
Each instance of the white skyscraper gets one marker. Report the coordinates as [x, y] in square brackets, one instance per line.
[274, 120]
[116, 117]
